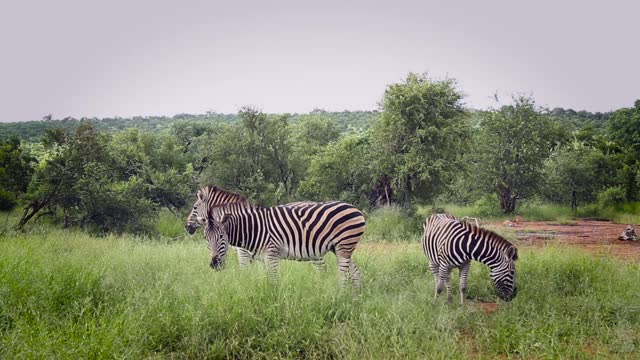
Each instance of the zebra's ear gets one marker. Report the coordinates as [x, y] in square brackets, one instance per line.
[199, 194]
[512, 253]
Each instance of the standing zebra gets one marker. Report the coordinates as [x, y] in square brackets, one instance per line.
[301, 233]
[212, 198]
[449, 243]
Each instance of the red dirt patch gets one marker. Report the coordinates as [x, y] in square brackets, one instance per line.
[488, 307]
[597, 237]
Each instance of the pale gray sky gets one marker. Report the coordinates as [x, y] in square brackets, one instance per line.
[107, 58]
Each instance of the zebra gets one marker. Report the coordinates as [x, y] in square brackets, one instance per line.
[449, 243]
[212, 197]
[300, 233]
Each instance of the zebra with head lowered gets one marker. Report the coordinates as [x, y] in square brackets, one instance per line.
[304, 233]
[212, 198]
[449, 243]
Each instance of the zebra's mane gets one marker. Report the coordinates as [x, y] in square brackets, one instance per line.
[230, 198]
[492, 237]
[212, 191]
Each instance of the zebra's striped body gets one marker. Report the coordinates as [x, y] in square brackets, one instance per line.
[305, 232]
[211, 199]
[449, 243]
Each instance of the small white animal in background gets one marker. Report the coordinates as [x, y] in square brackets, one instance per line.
[628, 234]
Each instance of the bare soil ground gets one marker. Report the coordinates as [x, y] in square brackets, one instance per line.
[597, 237]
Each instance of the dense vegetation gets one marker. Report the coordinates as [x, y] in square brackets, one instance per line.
[68, 295]
[422, 149]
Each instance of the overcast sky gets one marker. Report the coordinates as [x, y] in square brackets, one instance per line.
[108, 58]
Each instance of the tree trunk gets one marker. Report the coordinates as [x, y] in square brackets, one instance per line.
[574, 201]
[26, 216]
[507, 201]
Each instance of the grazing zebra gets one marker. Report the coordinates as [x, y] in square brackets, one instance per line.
[449, 243]
[304, 233]
[212, 197]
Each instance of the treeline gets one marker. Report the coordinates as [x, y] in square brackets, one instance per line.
[346, 121]
[423, 147]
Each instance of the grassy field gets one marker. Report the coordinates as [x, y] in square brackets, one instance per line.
[65, 294]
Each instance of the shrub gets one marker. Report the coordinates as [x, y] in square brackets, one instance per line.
[611, 196]
[393, 223]
[7, 200]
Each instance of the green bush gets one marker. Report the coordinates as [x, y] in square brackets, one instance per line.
[7, 200]
[611, 197]
[393, 224]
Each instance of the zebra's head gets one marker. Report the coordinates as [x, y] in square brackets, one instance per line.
[504, 274]
[198, 211]
[217, 240]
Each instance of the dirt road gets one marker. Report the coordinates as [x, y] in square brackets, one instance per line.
[598, 237]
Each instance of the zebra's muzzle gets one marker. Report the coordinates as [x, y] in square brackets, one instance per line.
[215, 264]
[191, 228]
[508, 295]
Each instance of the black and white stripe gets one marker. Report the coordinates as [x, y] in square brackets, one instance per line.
[211, 198]
[449, 243]
[304, 232]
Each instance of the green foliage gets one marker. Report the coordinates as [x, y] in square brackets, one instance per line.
[611, 196]
[424, 147]
[108, 184]
[339, 172]
[393, 224]
[16, 169]
[346, 121]
[509, 151]
[8, 201]
[624, 128]
[252, 157]
[66, 295]
[309, 137]
[576, 173]
[419, 139]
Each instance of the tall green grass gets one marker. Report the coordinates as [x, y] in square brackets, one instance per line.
[170, 225]
[64, 294]
[393, 224]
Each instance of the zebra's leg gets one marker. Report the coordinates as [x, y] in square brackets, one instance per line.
[245, 258]
[344, 265]
[435, 271]
[444, 279]
[319, 265]
[355, 275]
[272, 261]
[464, 273]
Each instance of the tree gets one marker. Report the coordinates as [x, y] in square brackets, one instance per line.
[308, 138]
[510, 148]
[339, 172]
[108, 184]
[252, 157]
[575, 174]
[624, 129]
[422, 133]
[16, 169]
